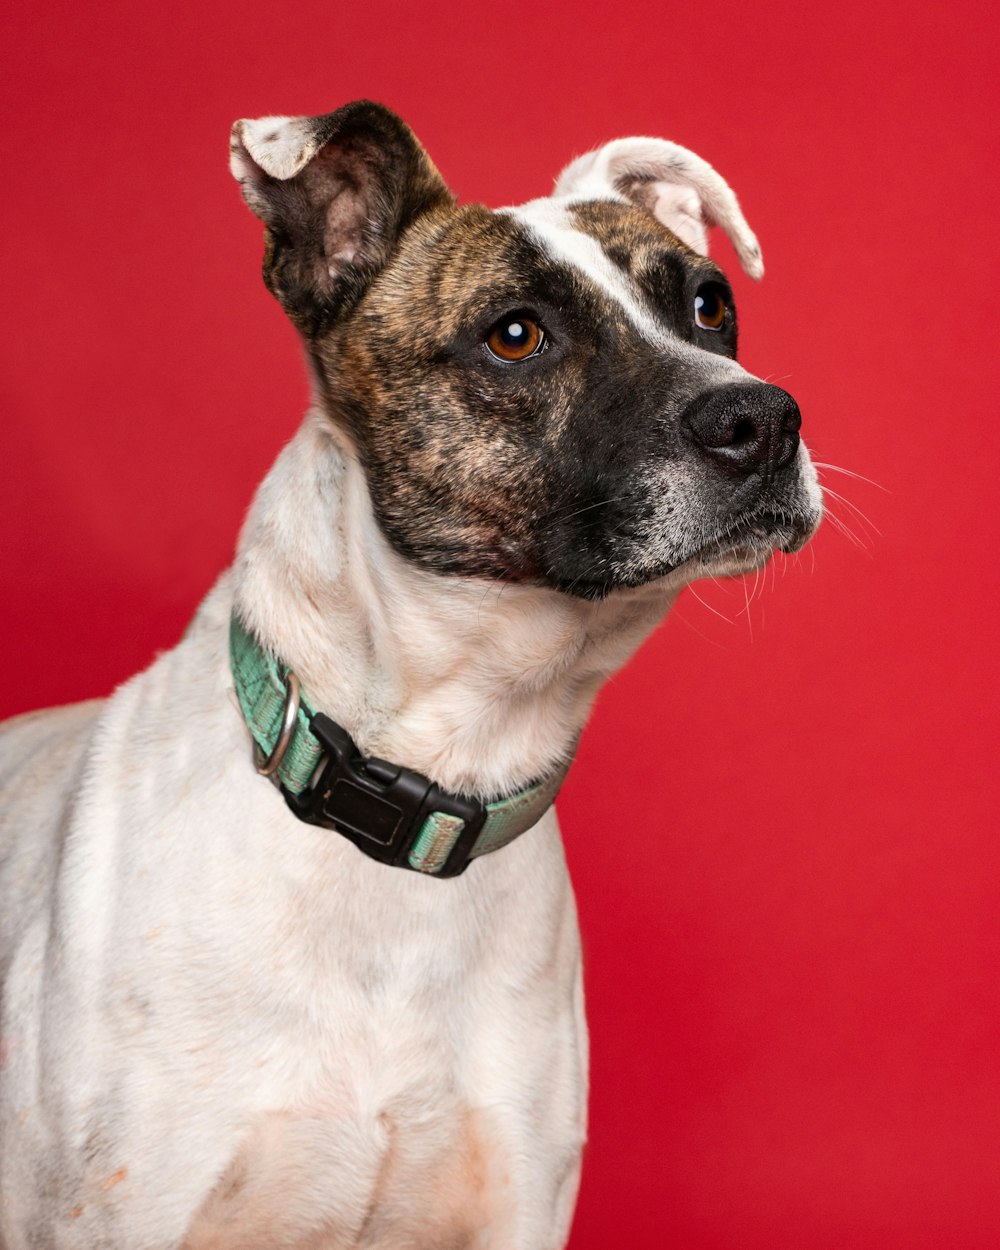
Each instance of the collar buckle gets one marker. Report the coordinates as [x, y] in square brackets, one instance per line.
[383, 808]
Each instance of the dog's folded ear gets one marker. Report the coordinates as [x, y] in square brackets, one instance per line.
[680, 189]
[335, 193]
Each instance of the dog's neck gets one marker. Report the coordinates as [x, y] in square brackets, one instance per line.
[483, 686]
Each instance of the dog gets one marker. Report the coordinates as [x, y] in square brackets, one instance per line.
[289, 951]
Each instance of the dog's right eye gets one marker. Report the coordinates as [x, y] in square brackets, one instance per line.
[515, 338]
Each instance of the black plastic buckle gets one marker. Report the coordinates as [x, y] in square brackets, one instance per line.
[379, 806]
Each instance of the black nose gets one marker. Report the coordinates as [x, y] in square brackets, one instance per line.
[745, 427]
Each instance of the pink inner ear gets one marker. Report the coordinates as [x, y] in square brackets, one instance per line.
[342, 175]
[343, 236]
[679, 208]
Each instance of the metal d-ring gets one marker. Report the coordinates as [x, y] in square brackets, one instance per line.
[266, 767]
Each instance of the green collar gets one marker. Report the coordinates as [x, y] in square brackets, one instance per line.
[395, 815]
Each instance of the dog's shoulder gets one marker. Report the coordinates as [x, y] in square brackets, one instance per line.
[33, 744]
[38, 751]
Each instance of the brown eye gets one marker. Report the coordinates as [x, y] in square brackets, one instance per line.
[515, 338]
[709, 307]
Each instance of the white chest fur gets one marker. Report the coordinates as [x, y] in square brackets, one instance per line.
[263, 1037]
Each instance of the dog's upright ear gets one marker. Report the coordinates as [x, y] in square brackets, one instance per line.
[335, 193]
[678, 188]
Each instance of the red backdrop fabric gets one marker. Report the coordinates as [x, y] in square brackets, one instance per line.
[782, 823]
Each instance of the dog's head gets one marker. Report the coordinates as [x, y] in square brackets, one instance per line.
[547, 394]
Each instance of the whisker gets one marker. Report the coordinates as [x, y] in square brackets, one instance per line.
[745, 611]
[557, 518]
[843, 528]
[835, 468]
[746, 596]
[715, 612]
[489, 587]
[679, 614]
[854, 508]
[759, 584]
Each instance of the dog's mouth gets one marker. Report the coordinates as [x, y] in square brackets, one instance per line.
[740, 547]
[759, 534]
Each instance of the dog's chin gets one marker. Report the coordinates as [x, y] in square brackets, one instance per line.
[742, 548]
[748, 545]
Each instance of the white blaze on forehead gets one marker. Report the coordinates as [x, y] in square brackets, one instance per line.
[551, 225]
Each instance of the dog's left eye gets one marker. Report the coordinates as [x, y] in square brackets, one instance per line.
[515, 338]
[709, 307]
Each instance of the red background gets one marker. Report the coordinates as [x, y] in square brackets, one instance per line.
[792, 926]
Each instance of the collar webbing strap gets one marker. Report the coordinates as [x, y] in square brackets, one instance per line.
[263, 694]
[394, 815]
